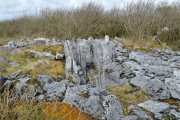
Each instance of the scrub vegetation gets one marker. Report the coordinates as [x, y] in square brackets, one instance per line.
[136, 21]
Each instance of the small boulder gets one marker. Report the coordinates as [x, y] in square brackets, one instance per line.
[44, 79]
[157, 90]
[177, 73]
[14, 75]
[139, 81]
[155, 107]
[175, 114]
[55, 91]
[174, 87]
[59, 56]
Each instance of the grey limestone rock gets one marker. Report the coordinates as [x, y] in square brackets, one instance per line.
[157, 90]
[113, 108]
[14, 64]
[40, 54]
[130, 117]
[14, 75]
[59, 56]
[155, 107]
[175, 114]
[139, 81]
[174, 87]
[14, 45]
[177, 74]
[24, 79]
[40, 97]
[135, 110]
[44, 79]
[99, 104]
[3, 60]
[24, 90]
[7, 85]
[56, 90]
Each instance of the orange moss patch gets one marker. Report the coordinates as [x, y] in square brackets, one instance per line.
[63, 111]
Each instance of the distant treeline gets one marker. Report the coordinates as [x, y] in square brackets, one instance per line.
[134, 21]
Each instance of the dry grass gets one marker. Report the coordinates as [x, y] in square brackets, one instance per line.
[29, 109]
[27, 63]
[141, 43]
[51, 68]
[38, 66]
[44, 48]
[19, 109]
[128, 96]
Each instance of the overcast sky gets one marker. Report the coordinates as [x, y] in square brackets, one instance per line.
[12, 8]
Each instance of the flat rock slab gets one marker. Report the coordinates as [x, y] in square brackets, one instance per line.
[139, 81]
[177, 74]
[157, 90]
[175, 114]
[174, 87]
[155, 106]
[55, 90]
[130, 117]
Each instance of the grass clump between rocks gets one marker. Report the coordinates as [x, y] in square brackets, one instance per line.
[33, 65]
[143, 45]
[53, 49]
[128, 95]
[29, 109]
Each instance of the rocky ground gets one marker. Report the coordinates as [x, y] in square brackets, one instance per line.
[99, 74]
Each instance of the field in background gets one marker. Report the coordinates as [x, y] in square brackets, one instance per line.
[134, 20]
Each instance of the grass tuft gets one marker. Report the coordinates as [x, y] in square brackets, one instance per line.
[128, 96]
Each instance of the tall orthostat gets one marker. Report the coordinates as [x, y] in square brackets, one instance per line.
[84, 57]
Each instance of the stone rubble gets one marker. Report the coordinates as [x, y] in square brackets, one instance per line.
[91, 66]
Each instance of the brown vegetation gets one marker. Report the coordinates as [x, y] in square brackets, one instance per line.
[134, 20]
[29, 109]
